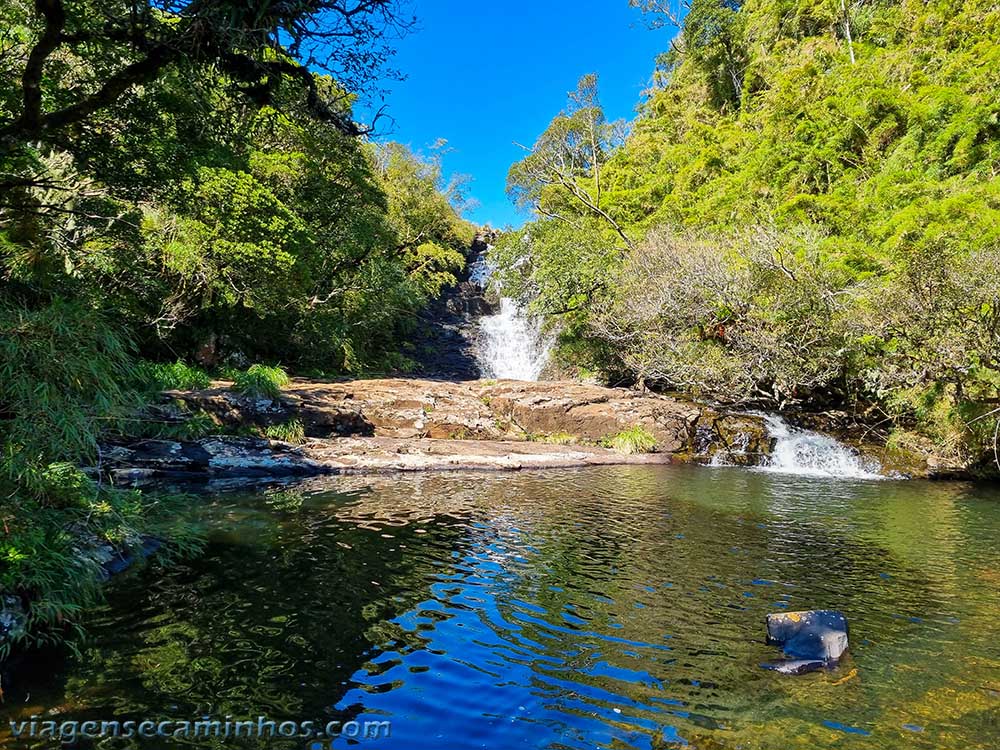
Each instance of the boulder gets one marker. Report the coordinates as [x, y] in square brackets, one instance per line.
[228, 456]
[812, 639]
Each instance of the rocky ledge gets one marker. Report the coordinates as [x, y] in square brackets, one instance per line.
[254, 458]
[410, 425]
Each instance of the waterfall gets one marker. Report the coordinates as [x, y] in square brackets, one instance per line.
[810, 454]
[512, 345]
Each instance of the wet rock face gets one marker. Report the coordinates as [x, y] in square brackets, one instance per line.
[445, 339]
[736, 439]
[812, 640]
[216, 456]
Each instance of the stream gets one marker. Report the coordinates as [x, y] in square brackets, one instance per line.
[611, 607]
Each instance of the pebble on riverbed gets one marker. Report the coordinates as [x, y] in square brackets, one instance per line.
[811, 640]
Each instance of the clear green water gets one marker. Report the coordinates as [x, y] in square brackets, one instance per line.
[599, 608]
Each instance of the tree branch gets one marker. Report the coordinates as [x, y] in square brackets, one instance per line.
[31, 80]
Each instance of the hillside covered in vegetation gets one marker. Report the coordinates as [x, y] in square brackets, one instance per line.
[177, 187]
[805, 214]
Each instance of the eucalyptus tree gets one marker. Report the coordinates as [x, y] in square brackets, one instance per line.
[561, 175]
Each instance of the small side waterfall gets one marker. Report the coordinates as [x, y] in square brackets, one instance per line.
[512, 345]
[811, 454]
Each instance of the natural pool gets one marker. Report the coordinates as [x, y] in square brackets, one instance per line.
[598, 608]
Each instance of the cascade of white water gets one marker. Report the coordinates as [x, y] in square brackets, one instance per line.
[806, 453]
[512, 345]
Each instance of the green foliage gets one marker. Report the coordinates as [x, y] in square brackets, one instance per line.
[818, 184]
[634, 440]
[191, 426]
[292, 431]
[174, 376]
[261, 381]
[185, 178]
[432, 235]
[559, 438]
[64, 374]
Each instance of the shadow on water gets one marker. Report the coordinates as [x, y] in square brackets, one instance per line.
[611, 607]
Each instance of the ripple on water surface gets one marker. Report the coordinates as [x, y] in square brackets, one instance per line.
[613, 608]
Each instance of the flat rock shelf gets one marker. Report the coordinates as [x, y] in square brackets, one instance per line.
[414, 425]
[233, 457]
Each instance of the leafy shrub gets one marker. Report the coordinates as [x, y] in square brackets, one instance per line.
[65, 377]
[261, 381]
[633, 440]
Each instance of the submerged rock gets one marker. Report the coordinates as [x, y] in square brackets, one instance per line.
[123, 559]
[812, 640]
[105, 559]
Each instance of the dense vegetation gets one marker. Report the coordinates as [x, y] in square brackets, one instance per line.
[804, 214]
[176, 185]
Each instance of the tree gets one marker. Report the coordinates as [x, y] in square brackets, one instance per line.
[425, 214]
[105, 49]
[565, 165]
[713, 39]
[663, 13]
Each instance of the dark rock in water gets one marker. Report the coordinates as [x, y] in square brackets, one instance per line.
[819, 636]
[213, 456]
[122, 560]
[795, 666]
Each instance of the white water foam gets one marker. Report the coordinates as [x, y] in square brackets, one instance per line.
[512, 345]
[811, 454]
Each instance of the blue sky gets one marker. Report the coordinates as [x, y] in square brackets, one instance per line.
[483, 75]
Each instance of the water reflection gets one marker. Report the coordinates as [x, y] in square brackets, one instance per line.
[613, 607]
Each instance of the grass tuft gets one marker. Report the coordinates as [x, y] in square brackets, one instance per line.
[561, 438]
[632, 441]
[292, 431]
[176, 376]
[261, 381]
